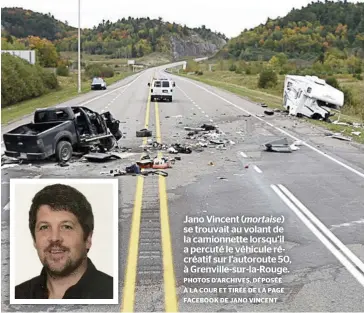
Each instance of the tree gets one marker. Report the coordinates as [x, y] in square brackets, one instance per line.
[47, 54]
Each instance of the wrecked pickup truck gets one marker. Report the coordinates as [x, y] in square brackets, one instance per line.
[59, 131]
[311, 97]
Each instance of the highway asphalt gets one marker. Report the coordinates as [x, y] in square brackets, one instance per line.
[318, 189]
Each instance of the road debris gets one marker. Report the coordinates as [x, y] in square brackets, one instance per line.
[268, 112]
[144, 133]
[100, 157]
[279, 145]
[356, 133]
[341, 137]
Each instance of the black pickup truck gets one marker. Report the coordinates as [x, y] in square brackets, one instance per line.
[59, 131]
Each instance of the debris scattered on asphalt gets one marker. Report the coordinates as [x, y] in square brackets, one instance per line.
[298, 143]
[279, 145]
[293, 147]
[211, 163]
[63, 164]
[263, 105]
[99, 157]
[144, 133]
[341, 137]
[268, 112]
[9, 165]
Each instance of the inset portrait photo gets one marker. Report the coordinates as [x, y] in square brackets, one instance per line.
[64, 241]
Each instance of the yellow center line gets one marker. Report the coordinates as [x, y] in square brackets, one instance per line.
[170, 295]
[132, 262]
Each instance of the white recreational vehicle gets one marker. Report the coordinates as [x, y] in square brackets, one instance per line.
[310, 96]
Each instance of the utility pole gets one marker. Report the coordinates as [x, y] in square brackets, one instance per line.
[79, 46]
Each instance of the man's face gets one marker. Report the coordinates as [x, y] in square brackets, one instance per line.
[59, 241]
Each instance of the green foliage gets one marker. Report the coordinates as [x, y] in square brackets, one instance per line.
[23, 23]
[46, 53]
[305, 33]
[96, 70]
[126, 38]
[332, 81]
[62, 70]
[267, 79]
[232, 68]
[192, 66]
[348, 97]
[21, 80]
[11, 43]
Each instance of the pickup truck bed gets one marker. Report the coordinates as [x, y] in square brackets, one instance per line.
[33, 129]
[37, 141]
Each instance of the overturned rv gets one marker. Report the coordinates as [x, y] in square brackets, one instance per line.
[311, 97]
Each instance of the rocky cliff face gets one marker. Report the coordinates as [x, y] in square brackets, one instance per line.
[196, 46]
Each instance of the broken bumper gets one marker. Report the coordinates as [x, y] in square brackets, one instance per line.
[26, 156]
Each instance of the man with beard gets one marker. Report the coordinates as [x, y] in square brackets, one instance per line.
[61, 223]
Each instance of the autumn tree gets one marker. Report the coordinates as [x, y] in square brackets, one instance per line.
[46, 53]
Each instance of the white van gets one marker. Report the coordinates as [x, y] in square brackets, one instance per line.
[161, 89]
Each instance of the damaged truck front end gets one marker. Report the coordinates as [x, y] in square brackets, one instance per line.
[311, 97]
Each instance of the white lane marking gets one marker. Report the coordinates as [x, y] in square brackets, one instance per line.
[243, 155]
[282, 131]
[203, 112]
[350, 255]
[346, 262]
[349, 224]
[211, 120]
[257, 169]
[196, 105]
[206, 115]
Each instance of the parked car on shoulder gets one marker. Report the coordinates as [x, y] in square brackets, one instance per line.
[98, 83]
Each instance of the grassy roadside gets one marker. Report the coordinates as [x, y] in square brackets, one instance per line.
[67, 91]
[227, 81]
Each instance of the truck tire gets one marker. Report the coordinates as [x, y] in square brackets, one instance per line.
[151, 99]
[107, 143]
[118, 135]
[64, 151]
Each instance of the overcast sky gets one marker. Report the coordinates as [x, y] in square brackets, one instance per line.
[226, 16]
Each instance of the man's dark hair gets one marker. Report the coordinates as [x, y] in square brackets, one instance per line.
[63, 198]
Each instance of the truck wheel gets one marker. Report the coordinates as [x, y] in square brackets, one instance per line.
[64, 151]
[107, 143]
[151, 99]
[118, 135]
